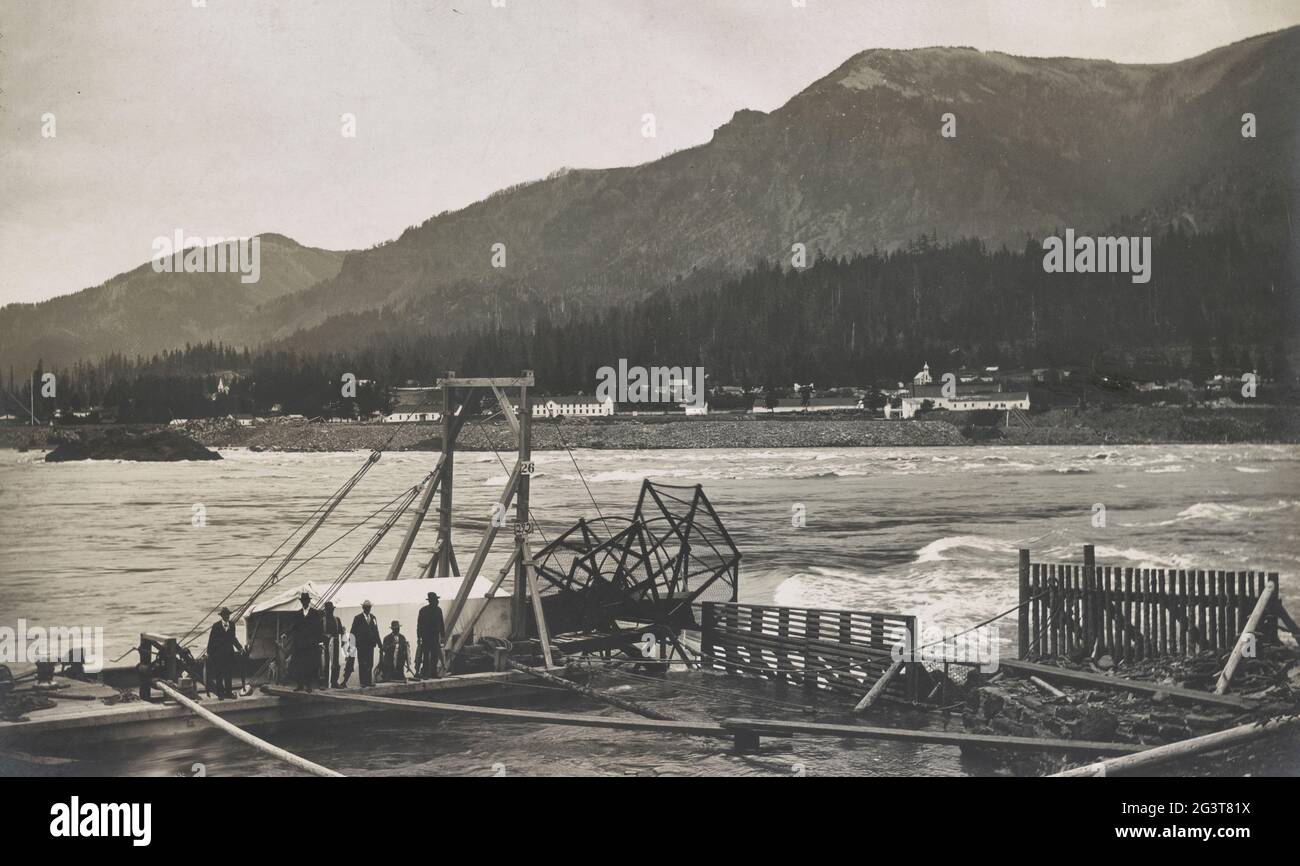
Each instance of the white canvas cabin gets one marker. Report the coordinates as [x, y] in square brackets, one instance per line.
[399, 600]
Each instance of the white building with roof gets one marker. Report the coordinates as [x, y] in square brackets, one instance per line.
[572, 405]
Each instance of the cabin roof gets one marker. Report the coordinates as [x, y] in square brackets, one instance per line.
[381, 593]
[569, 399]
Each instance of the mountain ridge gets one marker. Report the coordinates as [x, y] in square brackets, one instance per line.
[853, 162]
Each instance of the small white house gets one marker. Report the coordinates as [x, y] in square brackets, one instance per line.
[573, 405]
[692, 409]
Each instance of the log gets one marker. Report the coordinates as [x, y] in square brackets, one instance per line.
[1251, 624]
[244, 736]
[1047, 687]
[878, 688]
[1049, 673]
[1182, 749]
[775, 728]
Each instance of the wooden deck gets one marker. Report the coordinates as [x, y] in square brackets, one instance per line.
[82, 722]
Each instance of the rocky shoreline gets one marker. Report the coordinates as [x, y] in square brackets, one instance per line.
[1123, 426]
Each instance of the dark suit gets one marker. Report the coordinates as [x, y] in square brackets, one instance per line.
[365, 631]
[222, 645]
[395, 657]
[429, 629]
[305, 636]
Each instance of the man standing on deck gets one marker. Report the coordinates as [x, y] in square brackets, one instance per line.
[428, 637]
[222, 646]
[333, 644]
[365, 633]
[306, 635]
[396, 656]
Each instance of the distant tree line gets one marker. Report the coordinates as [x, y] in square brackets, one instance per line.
[1217, 302]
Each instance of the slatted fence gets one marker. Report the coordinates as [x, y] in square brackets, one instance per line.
[840, 650]
[1134, 613]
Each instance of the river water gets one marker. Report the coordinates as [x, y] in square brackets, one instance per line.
[929, 531]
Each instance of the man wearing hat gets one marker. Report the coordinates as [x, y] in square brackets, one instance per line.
[306, 635]
[428, 639]
[396, 656]
[222, 646]
[365, 635]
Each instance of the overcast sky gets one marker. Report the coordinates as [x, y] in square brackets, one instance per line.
[225, 119]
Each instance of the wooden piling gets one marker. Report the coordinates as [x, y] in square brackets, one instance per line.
[1022, 613]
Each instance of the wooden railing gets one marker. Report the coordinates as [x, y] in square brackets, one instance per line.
[1134, 613]
[840, 650]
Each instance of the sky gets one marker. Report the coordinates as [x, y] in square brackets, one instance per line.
[226, 117]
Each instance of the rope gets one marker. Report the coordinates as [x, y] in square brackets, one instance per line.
[981, 624]
[492, 444]
[581, 477]
[323, 510]
[352, 567]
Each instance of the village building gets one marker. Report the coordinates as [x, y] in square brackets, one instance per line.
[816, 404]
[414, 405]
[998, 401]
[572, 405]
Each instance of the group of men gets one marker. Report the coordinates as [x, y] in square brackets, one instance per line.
[312, 630]
[357, 646]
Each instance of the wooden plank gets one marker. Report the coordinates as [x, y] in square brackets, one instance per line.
[812, 634]
[1226, 635]
[1090, 635]
[1148, 618]
[783, 636]
[1050, 673]
[1162, 624]
[486, 381]
[1244, 599]
[1107, 612]
[878, 687]
[1129, 641]
[705, 729]
[1212, 609]
[1203, 636]
[1035, 636]
[1181, 606]
[855, 651]
[948, 738]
